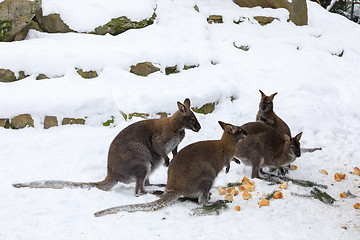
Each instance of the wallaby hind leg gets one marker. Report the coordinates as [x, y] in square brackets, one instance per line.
[205, 192]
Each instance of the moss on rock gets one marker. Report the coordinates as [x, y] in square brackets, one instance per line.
[122, 24]
[5, 30]
[205, 109]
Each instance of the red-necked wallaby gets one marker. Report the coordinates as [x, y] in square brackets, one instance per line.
[264, 147]
[137, 151]
[192, 171]
[267, 115]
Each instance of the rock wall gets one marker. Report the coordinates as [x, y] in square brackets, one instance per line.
[296, 8]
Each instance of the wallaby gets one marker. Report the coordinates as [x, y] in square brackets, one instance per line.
[264, 147]
[137, 151]
[192, 171]
[267, 115]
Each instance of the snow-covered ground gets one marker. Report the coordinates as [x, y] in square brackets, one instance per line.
[317, 94]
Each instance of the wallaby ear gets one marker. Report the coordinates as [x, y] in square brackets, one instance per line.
[287, 137]
[181, 107]
[187, 103]
[262, 94]
[222, 124]
[272, 96]
[297, 137]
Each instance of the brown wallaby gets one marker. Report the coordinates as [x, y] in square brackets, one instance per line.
[192, 171]
[137, 151]
[267, 115]
[264, 147]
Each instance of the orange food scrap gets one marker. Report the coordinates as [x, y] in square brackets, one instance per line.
[337, 177]
[323, 171]
[343, 195]
[356, 205]
[246, 195]
[264, 202]
[229, 197]
[237, 208]
[293, 167]
[357, 171]
[278, 195]
[284, 185]
[222, 191]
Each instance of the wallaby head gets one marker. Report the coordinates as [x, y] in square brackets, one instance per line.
[188, 119]
[266, 102]
[232, 132]
[292, 145]
[267, 115]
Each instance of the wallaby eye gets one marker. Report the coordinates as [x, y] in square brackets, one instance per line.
[192, 120]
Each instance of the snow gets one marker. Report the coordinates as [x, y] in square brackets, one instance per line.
[317, 93]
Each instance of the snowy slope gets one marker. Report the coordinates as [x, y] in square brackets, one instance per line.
[316, 94]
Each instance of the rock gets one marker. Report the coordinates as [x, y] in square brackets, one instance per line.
[122, 24]
[71, 121]
[296, 8]
[22, 121]
[171, 70]
[41, 77]
[215, 19]
[15, 15]
[88, 74]
[144, 69]
[5, 123]
[6, 75]
[205, 109]
[50, 121]
[264, 20]
[242, 47]
[51, 23]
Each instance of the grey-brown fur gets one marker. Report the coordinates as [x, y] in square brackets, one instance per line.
[193, 170]
[264, 147]
[138, 150]
[267, 115]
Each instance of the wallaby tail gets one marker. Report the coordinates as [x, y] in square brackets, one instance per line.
[310, 150]
[165, 200]
[105, 185]
[57, 184]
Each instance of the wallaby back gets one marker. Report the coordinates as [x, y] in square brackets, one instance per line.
[264, 147]
[193, 170]
[138, 150]
[267, 115]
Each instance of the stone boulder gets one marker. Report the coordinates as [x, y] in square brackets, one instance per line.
[51, 23]
[144, 69]
[21, 121]
[15, 15]
[296, 8]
